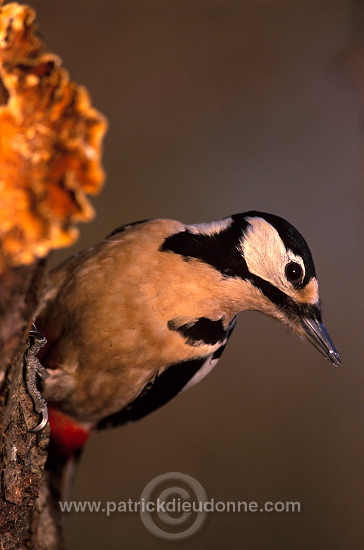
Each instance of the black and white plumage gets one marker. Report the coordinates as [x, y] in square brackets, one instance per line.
[146, 313]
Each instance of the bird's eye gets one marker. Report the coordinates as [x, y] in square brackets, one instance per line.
[294, 272]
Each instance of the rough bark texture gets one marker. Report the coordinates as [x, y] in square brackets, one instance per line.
[23, 524]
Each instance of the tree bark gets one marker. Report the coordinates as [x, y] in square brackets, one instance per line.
[26, 521]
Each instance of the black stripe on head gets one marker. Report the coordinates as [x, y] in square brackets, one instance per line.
[202, 331]
[156, 393]
[278, 297]
[218, 250]
[291, 239]
[292, 309]
[221, 250]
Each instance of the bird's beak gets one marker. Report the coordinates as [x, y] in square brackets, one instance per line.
[317, 334]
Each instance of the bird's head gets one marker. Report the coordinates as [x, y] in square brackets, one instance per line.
[279, 265]
[274, 262]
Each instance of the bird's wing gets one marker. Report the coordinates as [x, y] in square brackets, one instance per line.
[162, 388]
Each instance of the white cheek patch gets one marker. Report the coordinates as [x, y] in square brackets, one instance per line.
[266, 256]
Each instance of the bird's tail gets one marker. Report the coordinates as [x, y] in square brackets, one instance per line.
[65, 449]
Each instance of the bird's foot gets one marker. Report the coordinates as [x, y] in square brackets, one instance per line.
[34, 368]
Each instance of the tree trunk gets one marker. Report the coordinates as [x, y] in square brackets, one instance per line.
[26, 521]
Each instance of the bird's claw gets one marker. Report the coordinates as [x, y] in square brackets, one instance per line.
[34, 368]
[34, 333]
[42, 424]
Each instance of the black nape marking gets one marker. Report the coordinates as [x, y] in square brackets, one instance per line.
[124, 228]
[218, 250]
[164, 387]
[203, 331]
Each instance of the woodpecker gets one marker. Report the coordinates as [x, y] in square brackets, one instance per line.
[145, 314]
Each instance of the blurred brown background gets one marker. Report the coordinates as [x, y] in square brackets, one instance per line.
[218, 107]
